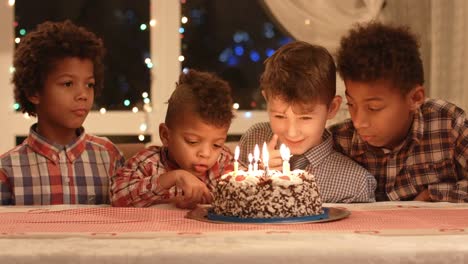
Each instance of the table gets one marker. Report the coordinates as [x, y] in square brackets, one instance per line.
[384, 232]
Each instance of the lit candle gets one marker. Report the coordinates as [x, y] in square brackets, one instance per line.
[236, 157]
[250, 162]
[256, 158]
[265, 157]
[285, 154]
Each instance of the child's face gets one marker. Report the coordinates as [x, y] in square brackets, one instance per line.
[67, 95]
[381, 115]
[193, 144]
[298, 129]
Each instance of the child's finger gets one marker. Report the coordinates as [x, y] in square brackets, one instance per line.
[273, 142]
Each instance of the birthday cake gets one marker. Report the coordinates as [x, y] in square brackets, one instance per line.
[273, 195]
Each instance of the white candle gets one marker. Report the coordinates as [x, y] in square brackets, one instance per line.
[250, 162]
[265, 157]
[256, 158]
[236, 157]
[285, 154]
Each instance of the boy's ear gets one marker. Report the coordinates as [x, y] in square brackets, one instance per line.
[164, 134]
[334, 107]
[416, 97]
[34, 99]
[264, 95]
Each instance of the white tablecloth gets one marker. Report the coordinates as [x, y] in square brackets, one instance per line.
[243, 247]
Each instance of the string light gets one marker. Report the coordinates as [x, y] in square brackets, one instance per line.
[144, 95]
[184, 19]
[141, 137]
[17, 40]
[235, 106]
[153, 22]
[126, 102]
[26, 115]
[12, 69]
[181, 58]
[143, 27]
[16, 106]
[143, 127]
[146, 100]
[135, 109]
[102, 110]
[11, 2]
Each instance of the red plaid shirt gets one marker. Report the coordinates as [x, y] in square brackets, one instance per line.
[37, 172]
[136, 184]
[433, 156]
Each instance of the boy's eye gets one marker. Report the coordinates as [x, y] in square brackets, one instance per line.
[279, 116]
[91, 85]
[68, 84]
[217, 146]
[349, 104]
[374, 109]
[191, 142]
[305, 118]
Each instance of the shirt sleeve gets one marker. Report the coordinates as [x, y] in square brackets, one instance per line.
[5, 190]
[456, 192]
[136, 183]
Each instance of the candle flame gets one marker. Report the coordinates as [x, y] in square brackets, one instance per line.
[256, 153]
[265, 154]
[236, 153]
[285, 152]
[250, 157]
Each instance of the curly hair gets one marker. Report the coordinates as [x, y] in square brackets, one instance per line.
[38, 52]
[374, 51]
[300, 72]
[203, 93]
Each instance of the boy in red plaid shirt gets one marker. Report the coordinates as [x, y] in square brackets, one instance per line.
[185, 169]
[416, 148]
[58, 69]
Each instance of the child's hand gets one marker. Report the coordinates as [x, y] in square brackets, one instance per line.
[195, 191]
[423, 196]
[275, 162]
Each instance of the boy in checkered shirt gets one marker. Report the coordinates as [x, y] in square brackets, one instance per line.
[416, 148]
[58, 69]
[299, 85]
[193, 156]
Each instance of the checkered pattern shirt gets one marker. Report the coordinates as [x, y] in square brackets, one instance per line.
[136, 184]
[340, 180]
[38, 172]
[433, 156]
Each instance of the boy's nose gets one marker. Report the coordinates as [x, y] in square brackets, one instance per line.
[204, 152]
[83, 93]
[292, 130]
[360, 120]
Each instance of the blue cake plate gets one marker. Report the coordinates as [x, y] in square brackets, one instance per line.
[205, 214]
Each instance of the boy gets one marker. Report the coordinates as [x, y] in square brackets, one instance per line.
[299, 85]
[185, 169]
[416, 148]
[58, 69]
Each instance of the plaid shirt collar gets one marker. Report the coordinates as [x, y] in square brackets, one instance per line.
[166, 161]
[359, 147]
[317, 154]
[50, 150]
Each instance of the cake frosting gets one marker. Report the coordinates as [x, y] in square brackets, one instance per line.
[256, 195]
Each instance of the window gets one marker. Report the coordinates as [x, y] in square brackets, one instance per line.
[231, 38]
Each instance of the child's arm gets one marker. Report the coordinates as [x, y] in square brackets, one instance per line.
[144, 181]
[5, 189]
[455, 191]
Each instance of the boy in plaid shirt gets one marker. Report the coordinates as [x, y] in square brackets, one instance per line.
[58, 69]
[185, 169]
[416, 148]
[299, 85]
